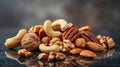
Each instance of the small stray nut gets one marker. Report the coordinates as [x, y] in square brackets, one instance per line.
[80, 42]
[95, 46]
[85, 28]
[24, 53]
[76, 51]
[43, 56]
[46, 40]
[56, 55]
[88, 54]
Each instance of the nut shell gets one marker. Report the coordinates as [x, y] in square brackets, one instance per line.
[30, 41]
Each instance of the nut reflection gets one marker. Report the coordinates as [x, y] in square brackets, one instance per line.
[70, 60]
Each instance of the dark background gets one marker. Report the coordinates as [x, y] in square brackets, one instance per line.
[102, 15]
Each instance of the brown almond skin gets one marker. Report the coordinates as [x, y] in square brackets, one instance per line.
[95, 46]
[87, 53]
[76, 51]
[80, 42]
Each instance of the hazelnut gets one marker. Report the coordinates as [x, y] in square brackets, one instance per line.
[46, 40]
[80, 42]
[24, 53]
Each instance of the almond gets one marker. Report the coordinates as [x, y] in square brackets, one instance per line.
[87, 53]
[75, 51]
[94, 46]
[80, 42]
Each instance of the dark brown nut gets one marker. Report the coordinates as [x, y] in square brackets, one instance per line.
[80, 42]
[46, 40]
[30, 41]
[76, 51]
[95, 46]
[56, 56]
[85, 28]
[105, 41]
[24, 53]
[71, 34]
[43, 56]
[88, 36]
[88, 54]
[41, 33]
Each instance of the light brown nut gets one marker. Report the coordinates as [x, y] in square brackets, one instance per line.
[60, 24]
[47, 49]
[85, 28]
[80, 42]
[56, 56]
[49, 30]
[88, 54]
[71, 34]
[94, 46]
[105, 41]
[16, 40]
[89, 36]
[46, 40]
[43, 56]
[30, 41]
[24, 53]
[35, 29]
[76, 51]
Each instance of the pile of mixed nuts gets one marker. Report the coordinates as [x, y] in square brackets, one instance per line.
[54, 38]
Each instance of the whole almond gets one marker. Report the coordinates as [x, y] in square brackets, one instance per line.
[80, 42]
[75, 51]
[94, 46]
[87, 53]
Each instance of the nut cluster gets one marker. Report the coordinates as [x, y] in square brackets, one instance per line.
[53, 38]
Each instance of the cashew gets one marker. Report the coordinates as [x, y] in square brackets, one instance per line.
[47, 49]
[16, 40]
[60, 23]
[49, 31]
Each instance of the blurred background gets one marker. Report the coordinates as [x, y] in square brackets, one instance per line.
[102, 15]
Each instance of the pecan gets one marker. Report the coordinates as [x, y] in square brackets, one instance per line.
[88, 36]
[71, 34]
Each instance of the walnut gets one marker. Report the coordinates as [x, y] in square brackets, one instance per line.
[30, 41]
[105, 41]
[24, 53]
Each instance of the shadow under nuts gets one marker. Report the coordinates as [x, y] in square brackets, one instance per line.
[30, 41]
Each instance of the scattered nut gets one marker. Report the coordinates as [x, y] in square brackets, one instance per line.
[16, 40]
[60, 23]
[43, 56]
[76, 51]
[49, 31]
[88, 54]
[30, 41]
[85, 28]
[47, 49]
[95, 46]
[46, 40]
[105, 41]
[24, 53]
[56, 55]
[80, 42]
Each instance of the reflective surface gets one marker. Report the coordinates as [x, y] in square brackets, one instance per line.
[70, 60]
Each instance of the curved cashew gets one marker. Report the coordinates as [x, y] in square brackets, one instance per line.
[49, 31]
[16, 40]
[60, 23]
[48, 49]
